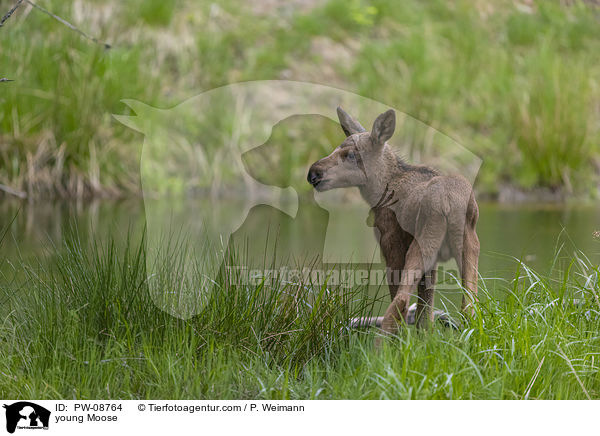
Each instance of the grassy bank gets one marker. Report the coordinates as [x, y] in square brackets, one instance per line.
[85, 327]
[517, 84]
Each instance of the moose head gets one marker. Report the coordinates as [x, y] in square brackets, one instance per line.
[356, 160]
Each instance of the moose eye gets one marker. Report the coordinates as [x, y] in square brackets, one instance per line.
[351, 155]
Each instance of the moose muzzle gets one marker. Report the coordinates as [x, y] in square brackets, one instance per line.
[315, 175]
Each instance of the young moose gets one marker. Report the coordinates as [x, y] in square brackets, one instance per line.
[422, 217]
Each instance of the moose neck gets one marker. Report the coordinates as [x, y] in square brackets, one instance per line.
[391, 172]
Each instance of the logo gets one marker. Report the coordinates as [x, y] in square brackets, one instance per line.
[26, 415]
[245, 149]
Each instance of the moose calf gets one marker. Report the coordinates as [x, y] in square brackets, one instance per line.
[422, 217]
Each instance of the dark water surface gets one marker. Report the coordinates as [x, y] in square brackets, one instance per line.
[506, 232]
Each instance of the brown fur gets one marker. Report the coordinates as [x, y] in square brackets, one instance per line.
[429, 217]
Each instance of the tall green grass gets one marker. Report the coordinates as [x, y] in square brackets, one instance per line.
[91, 314]
[517, 85]
[84, 326]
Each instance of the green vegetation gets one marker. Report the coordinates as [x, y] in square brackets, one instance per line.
[517, 85]
[86, 327]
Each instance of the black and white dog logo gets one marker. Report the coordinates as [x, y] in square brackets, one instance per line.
[26, 415]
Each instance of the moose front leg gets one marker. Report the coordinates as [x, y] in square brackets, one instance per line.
[421, 257]
[394, 274]
[411, 275]
[424, 315]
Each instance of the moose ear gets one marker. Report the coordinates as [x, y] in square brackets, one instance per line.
[383, 127]
[349, 125]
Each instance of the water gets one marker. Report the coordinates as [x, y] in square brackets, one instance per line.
[506, 232]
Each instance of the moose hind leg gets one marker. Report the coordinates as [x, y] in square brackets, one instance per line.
[469, 270]
[424, 315]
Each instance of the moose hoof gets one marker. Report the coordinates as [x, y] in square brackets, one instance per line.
[410, 316]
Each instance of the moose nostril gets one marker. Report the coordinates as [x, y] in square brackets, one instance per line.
[314, 175]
